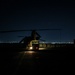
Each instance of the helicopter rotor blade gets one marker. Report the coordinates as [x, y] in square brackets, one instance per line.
[46, 29]
[20, 36]
[13, 31]
[26, 30]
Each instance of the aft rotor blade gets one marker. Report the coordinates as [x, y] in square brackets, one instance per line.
[46, 29]
[13, 31]
[26, 30]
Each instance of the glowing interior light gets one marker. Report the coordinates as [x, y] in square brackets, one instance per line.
[31, 48]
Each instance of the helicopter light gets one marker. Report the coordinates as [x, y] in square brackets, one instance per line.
[31, 48]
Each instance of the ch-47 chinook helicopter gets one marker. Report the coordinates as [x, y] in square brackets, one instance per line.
[30, 42]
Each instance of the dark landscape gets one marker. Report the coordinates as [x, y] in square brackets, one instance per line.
[37, 62]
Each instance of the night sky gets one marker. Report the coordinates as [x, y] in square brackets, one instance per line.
[38, 14]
